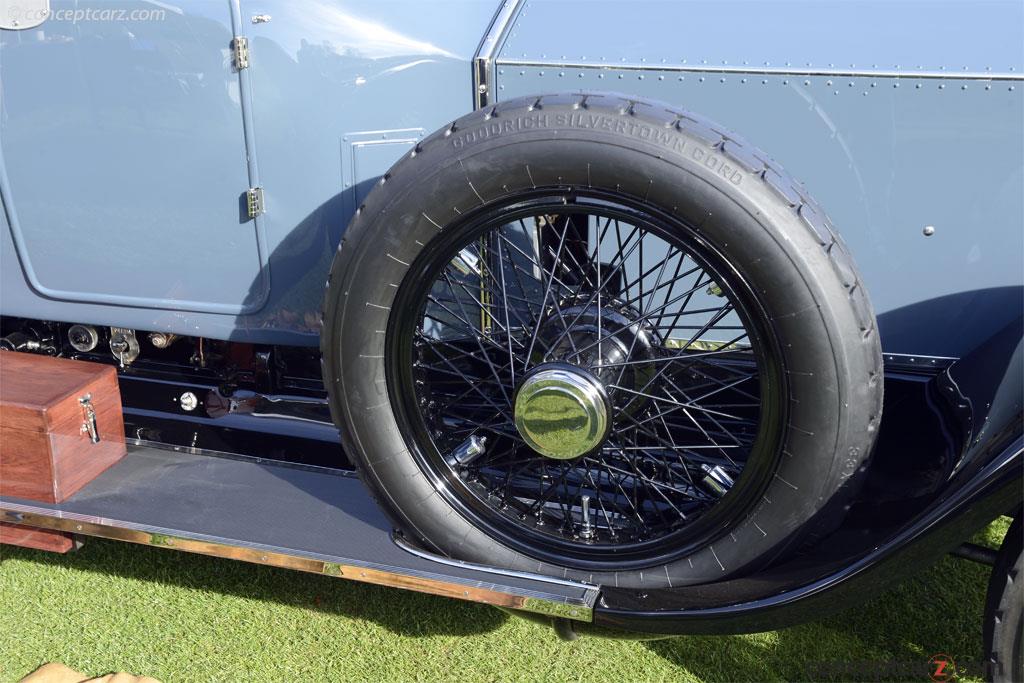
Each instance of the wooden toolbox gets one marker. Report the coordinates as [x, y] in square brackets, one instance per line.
[60, 425]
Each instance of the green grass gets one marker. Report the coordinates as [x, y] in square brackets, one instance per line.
[179, 617]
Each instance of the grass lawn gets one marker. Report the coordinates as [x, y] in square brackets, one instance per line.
[179, 617]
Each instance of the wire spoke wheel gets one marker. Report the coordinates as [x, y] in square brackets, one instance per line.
[586, 378]
[602, 339]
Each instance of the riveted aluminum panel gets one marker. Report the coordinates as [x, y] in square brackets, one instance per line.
[865, 35]
[885, 157]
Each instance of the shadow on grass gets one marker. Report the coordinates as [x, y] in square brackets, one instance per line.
[889, 637]
[402, 612]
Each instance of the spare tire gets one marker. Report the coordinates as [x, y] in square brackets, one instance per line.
[600, 338]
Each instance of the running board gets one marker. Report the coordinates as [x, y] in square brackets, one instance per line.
[311, 519]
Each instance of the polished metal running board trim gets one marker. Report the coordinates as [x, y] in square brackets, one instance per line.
[491, 593]
[451, 562]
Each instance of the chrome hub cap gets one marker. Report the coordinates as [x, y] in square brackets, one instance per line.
[561, 412]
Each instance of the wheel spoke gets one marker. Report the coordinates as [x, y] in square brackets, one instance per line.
[597, 293]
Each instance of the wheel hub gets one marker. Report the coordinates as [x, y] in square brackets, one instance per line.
[561, 411]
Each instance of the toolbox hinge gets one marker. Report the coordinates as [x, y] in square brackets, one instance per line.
[240, 46]
[254, 201]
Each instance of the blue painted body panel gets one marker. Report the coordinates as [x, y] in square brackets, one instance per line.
[125, 154]
[128, 145]
[125, 180]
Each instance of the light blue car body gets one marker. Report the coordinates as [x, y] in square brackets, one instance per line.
[127, 144]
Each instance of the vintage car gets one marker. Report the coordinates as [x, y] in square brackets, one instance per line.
[642, 317]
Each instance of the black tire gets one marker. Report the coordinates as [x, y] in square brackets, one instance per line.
[745, 206]
[1004, 610]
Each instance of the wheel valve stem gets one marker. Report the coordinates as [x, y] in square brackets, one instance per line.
[587, 531]
[470, 449]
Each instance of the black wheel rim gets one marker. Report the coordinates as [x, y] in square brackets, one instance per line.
[636, 303]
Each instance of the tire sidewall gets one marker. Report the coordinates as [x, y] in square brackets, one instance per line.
[468, 165]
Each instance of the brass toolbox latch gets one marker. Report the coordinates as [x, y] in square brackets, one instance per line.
[89, 419]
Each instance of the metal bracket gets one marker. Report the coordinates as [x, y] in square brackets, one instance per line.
[254, 201]
[89, 418]
[487, 51]
[240, 47]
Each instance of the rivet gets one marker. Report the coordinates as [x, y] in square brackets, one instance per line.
[942, 86]
[928, 231]
[807, 82]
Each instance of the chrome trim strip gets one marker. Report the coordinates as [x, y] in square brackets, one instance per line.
[441, 559]
[769, 71]
[575, 608]
[483, 60]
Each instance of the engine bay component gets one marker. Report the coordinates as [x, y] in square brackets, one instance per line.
[162, 340]
[33, 339]
[188, 401]
[19, 341]
[124, 345]
[83, 338]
